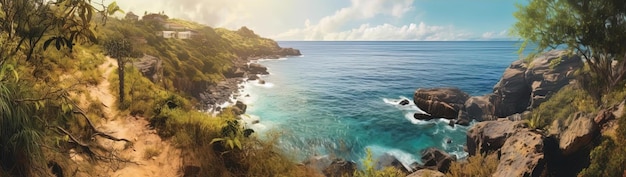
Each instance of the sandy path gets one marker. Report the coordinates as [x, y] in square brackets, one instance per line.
[167, 163]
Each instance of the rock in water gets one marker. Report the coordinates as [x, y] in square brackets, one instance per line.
[340, 168]
[241, 106]
[578, 134]
[404, 102]
[437, 159]
[255, 68]
[440, 102]
[522, 155]
[424, 117]
[490, 135]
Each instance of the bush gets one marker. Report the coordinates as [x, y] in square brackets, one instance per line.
[478, 165]
[609, 158]
[370, 169]
[562, 105]
[150, 152]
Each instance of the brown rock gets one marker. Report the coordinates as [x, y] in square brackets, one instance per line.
[440, 102]
[255, 68]
[436, 159]
[479, 108]
[578, 134]
[340, 168]
[490, 135]
[522, 155]
[548, 73]
[512, 92]
[424, 117]
[426, 173]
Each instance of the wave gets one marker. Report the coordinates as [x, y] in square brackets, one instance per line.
[404, 157]
[409, 107]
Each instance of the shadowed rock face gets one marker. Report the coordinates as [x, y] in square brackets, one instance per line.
[490, 135]
[578, 134]
[524, 86]
[440, 102]
[522, 155]
[437, 159]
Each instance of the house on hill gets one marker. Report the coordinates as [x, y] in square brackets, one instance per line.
[131, 17]
[155, 17]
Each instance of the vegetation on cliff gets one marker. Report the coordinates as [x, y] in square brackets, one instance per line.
[49, 54]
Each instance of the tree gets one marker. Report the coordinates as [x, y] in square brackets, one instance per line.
[120, 49]
[593, 29]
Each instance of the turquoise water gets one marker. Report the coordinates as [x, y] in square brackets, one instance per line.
[340, 98]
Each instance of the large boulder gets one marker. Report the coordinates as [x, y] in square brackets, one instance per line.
[241, 106]
[149, 66]
[235, 72]
[340, 168]
[440, 102]
[548, 73]
[478, 108]
[426, 173]
[255, 68]
[522, 155]
[436, 159]
[578, 134]
[490, 135]
[525, 86]
[512, 92]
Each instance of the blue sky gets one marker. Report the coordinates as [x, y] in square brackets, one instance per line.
[347, 19]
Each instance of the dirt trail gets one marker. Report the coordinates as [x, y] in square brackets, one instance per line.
[166, 163]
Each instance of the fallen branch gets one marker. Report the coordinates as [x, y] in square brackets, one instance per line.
[78, 110]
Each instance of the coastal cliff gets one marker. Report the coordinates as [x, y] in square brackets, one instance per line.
[510, 122]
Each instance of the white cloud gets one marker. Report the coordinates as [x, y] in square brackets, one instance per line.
[366, 31]
[494, 35]
[329, 27]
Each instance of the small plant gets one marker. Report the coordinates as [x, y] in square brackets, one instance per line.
[150, 152]
[370, 169]
[478, 165]
[232, 134]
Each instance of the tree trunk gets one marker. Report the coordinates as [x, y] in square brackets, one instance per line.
[120, 73]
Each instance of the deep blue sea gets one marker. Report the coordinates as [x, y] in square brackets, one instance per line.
[340, 98]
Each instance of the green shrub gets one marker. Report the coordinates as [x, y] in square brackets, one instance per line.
[370, 169]
[562, 105]
[609, 158]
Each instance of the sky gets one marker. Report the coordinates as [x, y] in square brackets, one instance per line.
[354, 20]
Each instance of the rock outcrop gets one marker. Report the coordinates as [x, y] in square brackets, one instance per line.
[426, 173]
[436, 159]
[548, 73]
[388, 160]
[440, 102]
[289, 52]
[479, 108]
[150, 67]
[491, 135]
[522, 155]
[318, 163]
[525, 86]
[578, 134]
[512, 93]
[340, 168]
[255, 68]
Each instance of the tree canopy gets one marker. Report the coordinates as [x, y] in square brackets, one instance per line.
[593, 29]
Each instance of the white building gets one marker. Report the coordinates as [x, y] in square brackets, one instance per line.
[184, 35]
[168, 34]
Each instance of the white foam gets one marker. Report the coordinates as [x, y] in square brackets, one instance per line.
[404, 157]
[459, 154]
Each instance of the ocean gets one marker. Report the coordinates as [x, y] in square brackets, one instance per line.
[341, 98]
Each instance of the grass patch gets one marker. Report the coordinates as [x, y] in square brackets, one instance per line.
[478, 165]
[562, 105]
[150, 152]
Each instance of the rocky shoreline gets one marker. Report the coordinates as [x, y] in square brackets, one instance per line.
[522, 151]
[223, 94]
